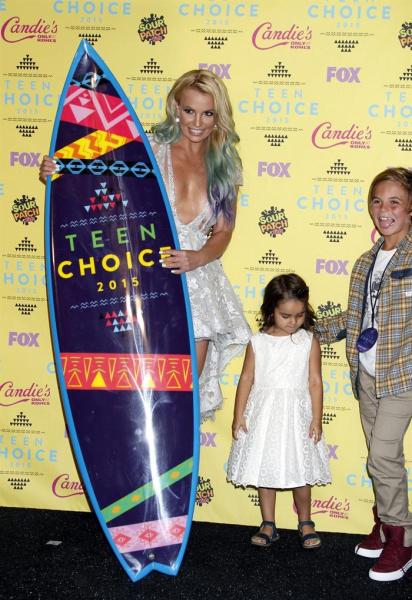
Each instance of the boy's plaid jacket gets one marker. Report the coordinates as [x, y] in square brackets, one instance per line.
[393, 372]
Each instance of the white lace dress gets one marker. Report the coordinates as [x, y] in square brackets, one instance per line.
[277, 452]
[216, 311]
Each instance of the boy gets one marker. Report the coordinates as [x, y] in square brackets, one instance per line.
[378, 329]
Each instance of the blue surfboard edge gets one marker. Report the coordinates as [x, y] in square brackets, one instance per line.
[86, 47]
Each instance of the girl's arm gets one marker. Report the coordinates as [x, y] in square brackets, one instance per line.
[181, 261]
[242, 392]
[316, 391]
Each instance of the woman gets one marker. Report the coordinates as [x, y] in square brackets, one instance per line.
[195, 150]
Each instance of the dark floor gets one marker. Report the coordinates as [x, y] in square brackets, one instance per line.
[219, 563]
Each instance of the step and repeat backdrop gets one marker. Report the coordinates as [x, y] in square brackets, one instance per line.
[321, 91]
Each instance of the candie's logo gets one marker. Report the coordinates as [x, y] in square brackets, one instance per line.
[14, 31]
[63, 487]
[337, 509]
[266, 37]
[405, 35]
[152, 29]
[374, 235]
[10, 395]
[326, 135]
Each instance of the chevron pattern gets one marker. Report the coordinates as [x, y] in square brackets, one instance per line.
[92, 146]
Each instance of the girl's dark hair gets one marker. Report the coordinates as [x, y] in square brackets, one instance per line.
[285, 287]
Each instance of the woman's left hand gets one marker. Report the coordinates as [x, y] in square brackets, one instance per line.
[315, 431]
[181, 261]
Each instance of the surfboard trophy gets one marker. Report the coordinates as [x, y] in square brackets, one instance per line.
[120, 323]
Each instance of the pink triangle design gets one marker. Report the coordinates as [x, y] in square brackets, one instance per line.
[84, 101]
[80, 113]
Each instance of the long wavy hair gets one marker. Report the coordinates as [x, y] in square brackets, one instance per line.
[223, 163]
[280, 288]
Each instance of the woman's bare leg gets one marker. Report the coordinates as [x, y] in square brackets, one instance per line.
[201, 352]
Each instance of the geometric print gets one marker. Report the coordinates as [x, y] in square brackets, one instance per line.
[152, 534]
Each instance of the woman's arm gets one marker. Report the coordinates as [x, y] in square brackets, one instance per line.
[181, 261]
[316, 391]
[47, 168]
[243, 390]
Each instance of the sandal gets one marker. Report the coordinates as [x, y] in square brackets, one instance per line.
[267, 539]
[304, 539]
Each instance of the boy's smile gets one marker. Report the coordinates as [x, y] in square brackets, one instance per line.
[391, 210]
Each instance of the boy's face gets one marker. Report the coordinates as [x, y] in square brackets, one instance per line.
[391, 211]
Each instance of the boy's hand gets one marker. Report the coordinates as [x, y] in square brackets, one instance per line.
[237, 425]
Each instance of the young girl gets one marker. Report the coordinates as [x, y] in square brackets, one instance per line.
[277, 424]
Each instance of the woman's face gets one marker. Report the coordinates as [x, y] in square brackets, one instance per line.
[197, 115]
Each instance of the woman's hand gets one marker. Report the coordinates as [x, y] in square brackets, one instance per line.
[47, 168]
[315, 431]
[237, 425]
[182, 261]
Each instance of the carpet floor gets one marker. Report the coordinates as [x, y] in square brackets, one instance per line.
[219, 563]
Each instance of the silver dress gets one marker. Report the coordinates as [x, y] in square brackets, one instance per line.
[216, 310]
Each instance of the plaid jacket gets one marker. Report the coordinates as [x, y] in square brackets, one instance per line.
[393, 373]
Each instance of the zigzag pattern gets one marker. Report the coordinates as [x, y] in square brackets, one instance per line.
[91, 146]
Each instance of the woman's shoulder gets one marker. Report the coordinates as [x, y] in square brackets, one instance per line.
[156, 146]
[159, 149]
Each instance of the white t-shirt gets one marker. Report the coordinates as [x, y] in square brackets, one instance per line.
[368, 358]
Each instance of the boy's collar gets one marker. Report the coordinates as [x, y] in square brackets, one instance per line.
[405, 240]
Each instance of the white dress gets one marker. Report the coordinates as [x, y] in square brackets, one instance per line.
[216, 311]
[276, 451]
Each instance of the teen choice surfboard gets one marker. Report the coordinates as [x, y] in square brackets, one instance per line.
[121, 326]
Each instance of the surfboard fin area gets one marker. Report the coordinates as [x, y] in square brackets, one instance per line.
[120, 323]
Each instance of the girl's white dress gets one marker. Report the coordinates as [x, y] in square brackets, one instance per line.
[216, 311]
[276, 451]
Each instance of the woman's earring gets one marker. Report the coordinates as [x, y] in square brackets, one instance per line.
[177, 119]
[215, 126]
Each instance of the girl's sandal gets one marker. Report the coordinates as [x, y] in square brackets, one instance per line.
[267, 539]
[305, 539]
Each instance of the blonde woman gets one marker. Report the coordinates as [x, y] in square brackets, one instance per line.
[195, 150]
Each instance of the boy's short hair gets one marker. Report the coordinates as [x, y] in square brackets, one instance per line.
[398, 175]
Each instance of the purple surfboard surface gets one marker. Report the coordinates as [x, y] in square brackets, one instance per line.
[121, 326]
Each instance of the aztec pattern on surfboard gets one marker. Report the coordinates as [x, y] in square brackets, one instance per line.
[120, 323]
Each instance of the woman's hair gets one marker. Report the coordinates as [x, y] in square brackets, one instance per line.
[222, 159]
[398, 175]
[280, 288]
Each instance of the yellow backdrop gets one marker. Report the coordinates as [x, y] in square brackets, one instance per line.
[321, 92]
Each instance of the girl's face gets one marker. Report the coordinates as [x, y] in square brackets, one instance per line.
[197, 115]
[289, 316]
